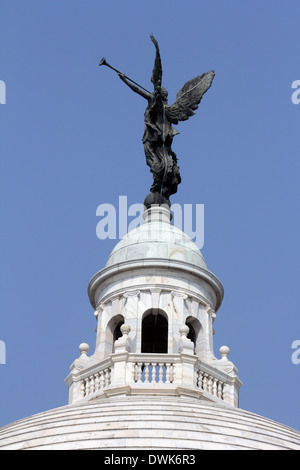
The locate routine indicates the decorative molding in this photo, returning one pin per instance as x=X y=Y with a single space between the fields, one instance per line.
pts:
x=131 y=293
x=161 y=266
x=142 y=288
x=177 y=293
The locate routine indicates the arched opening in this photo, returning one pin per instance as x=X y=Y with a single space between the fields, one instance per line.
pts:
x=113 y=332
x=191 y=334
x=154 y=332
x=117 y=331
x=195 y=328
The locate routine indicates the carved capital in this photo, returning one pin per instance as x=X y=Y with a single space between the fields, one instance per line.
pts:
x=133 y=293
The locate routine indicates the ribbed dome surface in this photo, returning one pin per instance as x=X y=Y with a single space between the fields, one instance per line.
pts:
x=147 y=423
x=157 y=240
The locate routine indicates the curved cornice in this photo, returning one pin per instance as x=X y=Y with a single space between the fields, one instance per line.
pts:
x=102 y=275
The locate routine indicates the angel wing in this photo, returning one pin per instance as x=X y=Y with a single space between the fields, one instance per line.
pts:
x=189 y=97
x=157 y=69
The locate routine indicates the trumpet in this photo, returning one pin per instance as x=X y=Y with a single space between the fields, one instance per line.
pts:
x=104 y=62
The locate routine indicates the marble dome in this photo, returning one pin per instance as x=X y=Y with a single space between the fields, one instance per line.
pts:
x=148 y=423
x=157 y=238
x=129 y=396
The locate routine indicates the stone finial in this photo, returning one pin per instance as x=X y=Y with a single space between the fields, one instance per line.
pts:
x=123 y=343
x=186 y=346
x=125 y=329
x=83 y=359
x=224 y=351
x=184 y=330
x=84 y=348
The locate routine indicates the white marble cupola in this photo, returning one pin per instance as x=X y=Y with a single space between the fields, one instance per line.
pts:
x=155 y=303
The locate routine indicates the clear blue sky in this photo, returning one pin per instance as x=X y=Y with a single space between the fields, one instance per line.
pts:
x=71 y=140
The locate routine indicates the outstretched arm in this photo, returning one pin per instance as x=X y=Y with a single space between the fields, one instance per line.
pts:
x=134 y=87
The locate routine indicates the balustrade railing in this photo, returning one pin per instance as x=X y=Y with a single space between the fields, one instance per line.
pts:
x=136 y=371
x=210 y=384
x=150 y=372
x=95 y=382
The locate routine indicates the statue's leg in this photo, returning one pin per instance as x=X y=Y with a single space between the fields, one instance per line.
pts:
x=155 y=161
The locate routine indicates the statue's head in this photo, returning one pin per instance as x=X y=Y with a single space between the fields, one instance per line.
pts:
x=162 y=92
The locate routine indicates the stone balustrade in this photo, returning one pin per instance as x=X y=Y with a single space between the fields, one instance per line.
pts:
x=210 y=384
x=154 y=371
x=164 y=374
x=95 y=382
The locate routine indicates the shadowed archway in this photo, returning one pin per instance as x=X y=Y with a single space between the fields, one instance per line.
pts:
x=154 y=332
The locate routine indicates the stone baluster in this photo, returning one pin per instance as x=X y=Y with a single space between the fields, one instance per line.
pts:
x=107 y=378
x=82 y=389
x=101 y=381
x=214 y=386
x=146 y=375
x=92 y=384
x=209 y=384
x=161 y=372
x=168 y=372
x=205 y=382
x=134 y=372
x=200 y=379
x=172 y=372
x=97 y=381
x=87 y=386
x=139 y=370
x=220 y=390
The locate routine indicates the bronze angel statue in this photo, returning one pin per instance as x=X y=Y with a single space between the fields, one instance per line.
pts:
x=159 y=132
